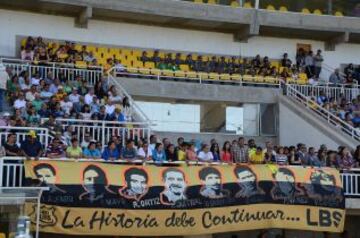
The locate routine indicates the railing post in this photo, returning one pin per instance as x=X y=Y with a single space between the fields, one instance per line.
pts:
x=103 y=133
x=158 y=75
x=200 y=78
x=46 y=138
x=1 y=171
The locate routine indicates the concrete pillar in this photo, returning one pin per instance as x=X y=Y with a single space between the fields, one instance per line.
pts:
x=212 y=117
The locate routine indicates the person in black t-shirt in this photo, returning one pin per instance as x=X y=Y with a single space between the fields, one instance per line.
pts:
x=11 y=148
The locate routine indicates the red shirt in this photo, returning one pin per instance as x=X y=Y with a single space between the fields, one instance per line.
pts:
x=226 y=156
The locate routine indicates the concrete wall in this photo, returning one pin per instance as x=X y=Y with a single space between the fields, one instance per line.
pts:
x=15 y=23
x=198 y=92
x=296 y=125
x=220 y=137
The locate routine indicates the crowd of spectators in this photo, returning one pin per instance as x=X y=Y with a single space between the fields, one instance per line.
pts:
x=65 y=144
x=36 y=97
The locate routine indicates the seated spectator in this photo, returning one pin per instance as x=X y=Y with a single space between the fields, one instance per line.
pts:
x=52 y=124
x=257 y=157
x=280 y=157
x=226 y=152
x=345 y=159
x=311 y=159
x=144 y=58
x=31 y=147
x=158 y=154
x=110 y=152
x=74 y=151
x=91 y=151
x=321 y=99
x=144 y=151
x=181 y=152
x=27 y=54
x=129 y=152
x=55 y=149
x=286 y=62
x=87 y=140
x=205 y=155
x=215 y=150
x=156 y=58
x=191 y=153
x=170 y=153
x=20 y=102
x=10 y=146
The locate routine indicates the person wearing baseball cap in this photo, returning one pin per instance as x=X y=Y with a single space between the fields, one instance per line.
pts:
x=31 y=147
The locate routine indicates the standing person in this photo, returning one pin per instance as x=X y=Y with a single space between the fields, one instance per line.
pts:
x=318 y=59
x=4 y=77
x=226 y=153
x=239 y=151
x=258 y=156
x=280 y=157
x=170 y=153
x=215 y=150
x=309 y=65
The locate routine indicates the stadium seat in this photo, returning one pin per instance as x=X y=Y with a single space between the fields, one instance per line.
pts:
x=270 y=8
x=303 y=76
x=339 y=14
x=155 y=71
x=149 y=65
x=214 y=76
x=212 y=2
x=235 y=4
x=136 y=53
x=138 y=64
x=235 y=77
x=248 y=78
x=23 y=42
x=224 y=76
x=283 y=9
x=184 y=67
x=305 y=11
x=2 y=235
x=81 y=64
x=168 y=73
x=180 y=74
x=198 y=1
x=271 y=80
x=191 y=75
x=144 y=71
x=132 y=70
x=248 y=5
x=317 y=12
x=258 y=79
x=275 y=64
x=203 y=76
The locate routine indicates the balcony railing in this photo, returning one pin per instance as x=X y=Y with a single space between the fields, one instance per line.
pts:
x=12 y=170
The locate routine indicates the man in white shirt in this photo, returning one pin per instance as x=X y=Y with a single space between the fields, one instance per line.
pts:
x=74 y=97
x=20 y=103
x=66 y=105
x=115 y=98
x=30 y=95
x=4 y=77
x=89 y=97
x=109 y=107
x=205 y=154
x=45 y=94
x=35 y=80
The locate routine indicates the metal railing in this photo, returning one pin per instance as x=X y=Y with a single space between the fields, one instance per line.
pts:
x=92 y=74
x=21 y=133
x=12 y=171
x=139 y=114
x=196 y=77
x=332 y=119
x=349 y=92
x=102 y=131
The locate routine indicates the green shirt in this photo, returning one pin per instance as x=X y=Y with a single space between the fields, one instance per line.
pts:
x=37 y=104
x=74 y=152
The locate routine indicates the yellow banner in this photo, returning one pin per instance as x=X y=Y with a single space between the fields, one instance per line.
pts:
x=96 y=198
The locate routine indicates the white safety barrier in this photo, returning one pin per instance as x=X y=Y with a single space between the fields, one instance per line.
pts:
x=92 y=74
x=21 y=133
x=12 y=170
x=332 y=119
x=102 y=131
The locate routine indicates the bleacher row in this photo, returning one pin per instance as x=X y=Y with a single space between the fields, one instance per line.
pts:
x=131 y=61
x=269 y=7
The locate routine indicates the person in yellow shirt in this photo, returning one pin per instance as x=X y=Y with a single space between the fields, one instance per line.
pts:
x=182 y=152
x=257 y=157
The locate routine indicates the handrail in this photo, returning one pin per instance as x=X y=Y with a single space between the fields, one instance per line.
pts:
x=43 y=132
x=96 y=121
x=326 y=114
x=131 y=100
x=50 y=63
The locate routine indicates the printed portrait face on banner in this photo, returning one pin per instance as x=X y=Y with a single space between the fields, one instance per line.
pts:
x=45 y=173
x=94 y=183
x=136 y=183
x=212 y=184
x=323 y=185
x=284 y=185
x=247 y=181
x=175 y=186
